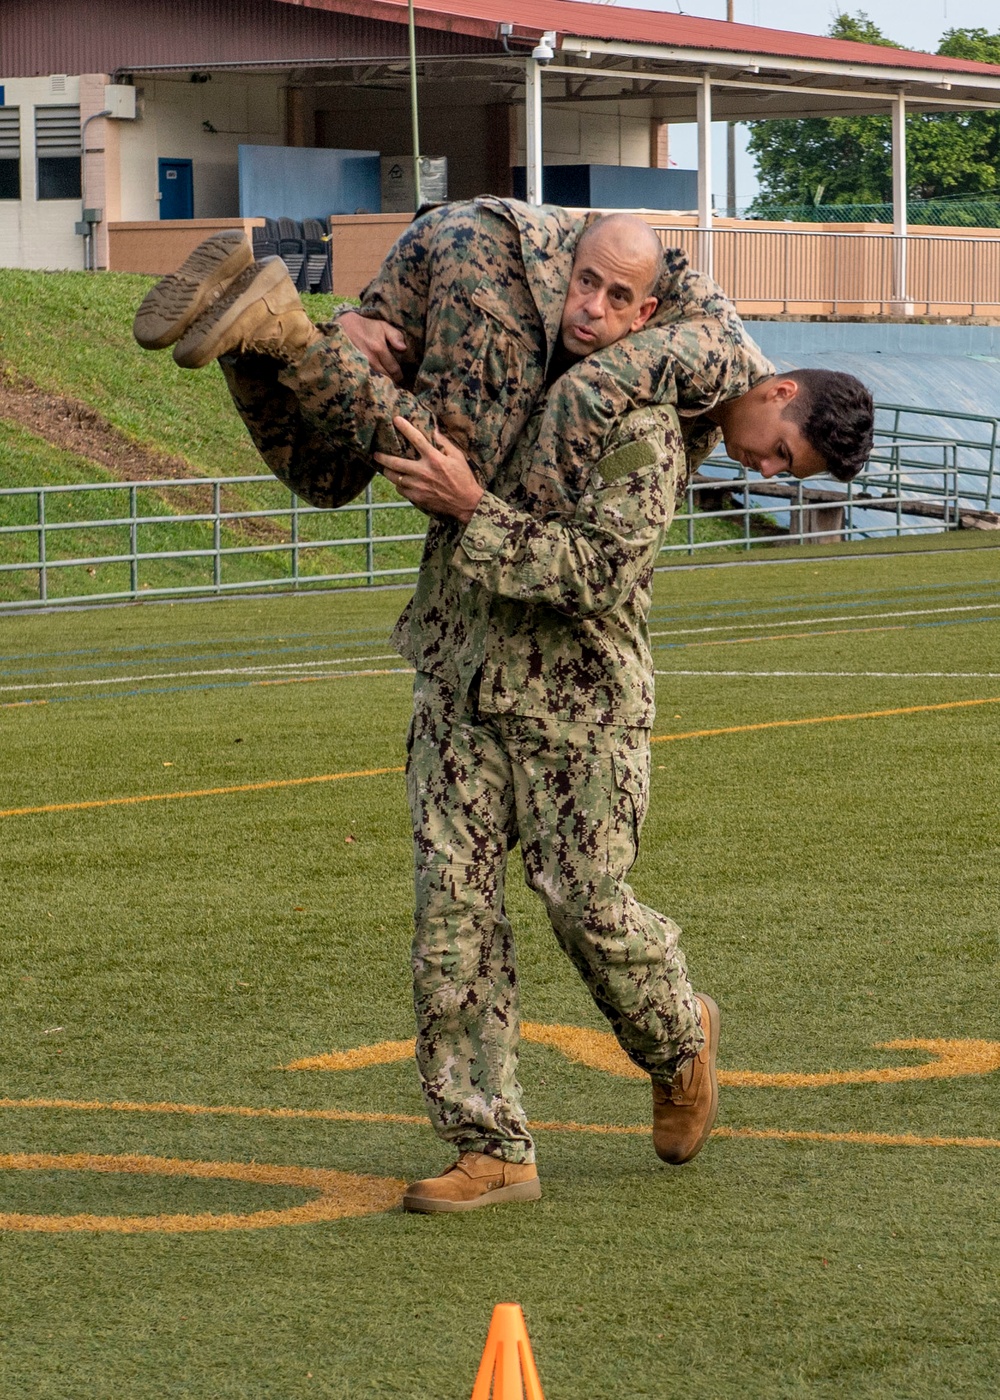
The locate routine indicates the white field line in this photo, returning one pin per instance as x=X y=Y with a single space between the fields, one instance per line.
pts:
x=846 y=675
x=815 y=621
x=286 y=667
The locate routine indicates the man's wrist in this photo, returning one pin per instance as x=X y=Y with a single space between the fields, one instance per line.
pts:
x=470 y=506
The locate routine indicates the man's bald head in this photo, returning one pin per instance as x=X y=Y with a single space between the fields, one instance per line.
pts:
x=617 y=265
x=632 y=238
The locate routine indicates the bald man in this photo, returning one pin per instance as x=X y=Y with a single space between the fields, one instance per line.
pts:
x=515 y=345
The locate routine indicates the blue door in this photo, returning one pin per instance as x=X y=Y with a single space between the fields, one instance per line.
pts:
x=176 y=190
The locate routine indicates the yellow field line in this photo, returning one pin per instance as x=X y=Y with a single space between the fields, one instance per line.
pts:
x=329 y=1115
x=198 y=792
x=340 y=1115
x=816 y=719
x=275 y=783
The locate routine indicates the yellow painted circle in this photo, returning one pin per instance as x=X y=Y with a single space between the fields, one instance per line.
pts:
x=338 y=1194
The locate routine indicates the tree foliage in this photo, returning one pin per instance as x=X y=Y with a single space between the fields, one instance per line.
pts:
x=848 y=160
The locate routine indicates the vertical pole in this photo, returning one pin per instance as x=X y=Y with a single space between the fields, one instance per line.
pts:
x=295 y=539
x=731 y=169
x=217 y=534
x=730 y=145
x=370 y=535
x=43 y=577
x=899 y=223
x=533 y=130
x=133 y=540
x=417 y=199
x=705 y=172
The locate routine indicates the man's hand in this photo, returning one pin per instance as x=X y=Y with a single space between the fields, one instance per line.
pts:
x=439 y=481
x=376 y=340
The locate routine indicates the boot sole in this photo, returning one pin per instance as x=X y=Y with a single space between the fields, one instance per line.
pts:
x=517 y=1191
x=177 y=300
x=206 y=338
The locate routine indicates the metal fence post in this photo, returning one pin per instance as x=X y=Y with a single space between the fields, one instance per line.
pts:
x=133 y=540
x=370 y=536
x=217 y=535
x=43 y=581
x=295 y=538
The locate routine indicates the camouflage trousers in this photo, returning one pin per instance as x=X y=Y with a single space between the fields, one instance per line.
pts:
x=575 y=796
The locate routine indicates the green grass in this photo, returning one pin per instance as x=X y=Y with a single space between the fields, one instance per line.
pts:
x=837 y=887
x=71 y=333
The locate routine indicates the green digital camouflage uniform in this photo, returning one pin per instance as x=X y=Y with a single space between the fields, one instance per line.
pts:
x=527 y=629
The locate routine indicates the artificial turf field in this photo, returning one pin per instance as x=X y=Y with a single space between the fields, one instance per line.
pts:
x=165 y=961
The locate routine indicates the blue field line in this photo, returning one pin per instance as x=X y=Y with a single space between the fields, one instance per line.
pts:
x=807 y=598
x=248 y=651
x=192 y=642
x=213 y=685
x=797 y=636
x=869 y=599
x=185 y=660
x=28 y=703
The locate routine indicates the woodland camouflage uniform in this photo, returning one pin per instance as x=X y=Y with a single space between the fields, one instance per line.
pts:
x=527 y=628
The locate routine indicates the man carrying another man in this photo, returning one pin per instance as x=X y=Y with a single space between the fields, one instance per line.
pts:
x=565 y=379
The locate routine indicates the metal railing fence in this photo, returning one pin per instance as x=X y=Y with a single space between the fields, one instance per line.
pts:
x=113 y=542
x=824 y=272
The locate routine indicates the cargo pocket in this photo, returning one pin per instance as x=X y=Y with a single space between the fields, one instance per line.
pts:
x=629 y=804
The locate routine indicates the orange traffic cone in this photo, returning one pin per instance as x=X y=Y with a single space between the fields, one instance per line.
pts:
x=507 y=1370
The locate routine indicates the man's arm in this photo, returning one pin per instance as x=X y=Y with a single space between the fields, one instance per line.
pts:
x=394 y=304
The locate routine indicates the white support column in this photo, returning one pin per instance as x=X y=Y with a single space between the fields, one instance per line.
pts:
x=900 y=301
x=705 y=173
x=533 y=130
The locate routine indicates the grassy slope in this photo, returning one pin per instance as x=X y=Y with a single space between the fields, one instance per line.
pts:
x=71 y=333
x=837 y=888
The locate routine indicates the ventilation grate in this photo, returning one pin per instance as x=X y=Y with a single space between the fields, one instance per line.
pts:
x=10 y=133
x=57 y=131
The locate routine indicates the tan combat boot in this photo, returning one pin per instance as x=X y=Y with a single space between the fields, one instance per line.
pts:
x=175 y=301
x=684 y=1110
x=260 y=312
x=474 y=1180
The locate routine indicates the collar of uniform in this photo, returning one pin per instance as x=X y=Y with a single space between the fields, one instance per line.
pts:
x=549 y=236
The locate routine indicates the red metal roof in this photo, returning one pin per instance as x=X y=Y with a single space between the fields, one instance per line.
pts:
x=481 y=19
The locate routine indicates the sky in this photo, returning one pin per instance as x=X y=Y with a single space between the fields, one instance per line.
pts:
x=916 y=24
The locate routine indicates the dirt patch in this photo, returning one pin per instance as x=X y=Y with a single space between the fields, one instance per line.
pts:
x=75 y=427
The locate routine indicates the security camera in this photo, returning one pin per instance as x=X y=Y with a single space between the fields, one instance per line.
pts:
x=545 y=51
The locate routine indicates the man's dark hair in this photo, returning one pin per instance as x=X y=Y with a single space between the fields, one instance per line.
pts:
x=836 y=416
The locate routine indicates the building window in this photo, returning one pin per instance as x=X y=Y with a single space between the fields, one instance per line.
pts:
x=10 y=153
x=58 y=149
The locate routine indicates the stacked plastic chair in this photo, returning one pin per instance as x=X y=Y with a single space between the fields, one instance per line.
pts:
x=292 y=248
x=265 y=240
x=318 y=272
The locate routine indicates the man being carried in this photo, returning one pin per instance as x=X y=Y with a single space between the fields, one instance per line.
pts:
x=534 y=690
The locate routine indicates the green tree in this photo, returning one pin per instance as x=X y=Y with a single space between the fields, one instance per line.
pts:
x=848 y=160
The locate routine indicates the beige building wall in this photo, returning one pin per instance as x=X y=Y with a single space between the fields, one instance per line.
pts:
x=595 y=133
x=34 y=233
x=201 y=122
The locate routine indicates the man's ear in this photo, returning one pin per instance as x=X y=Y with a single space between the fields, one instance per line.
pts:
x=783 y=390
x=645 y=311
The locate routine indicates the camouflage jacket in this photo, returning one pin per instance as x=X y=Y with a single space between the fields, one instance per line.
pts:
x=554 y=609
x=540 y=585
